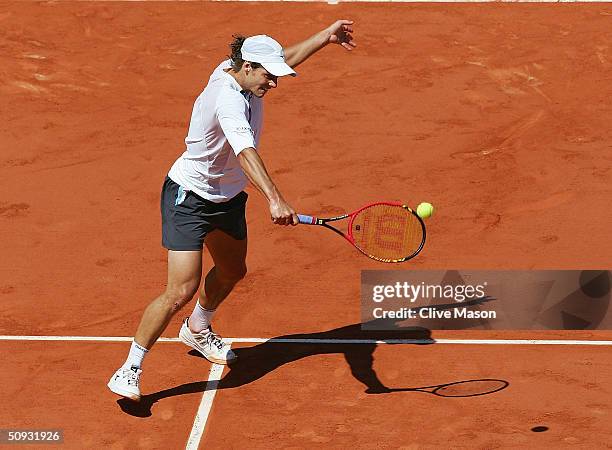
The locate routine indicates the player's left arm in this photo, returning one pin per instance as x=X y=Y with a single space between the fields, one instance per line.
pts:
x=339 y=32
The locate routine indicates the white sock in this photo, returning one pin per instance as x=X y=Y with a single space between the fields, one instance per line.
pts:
x=200 y=318
x=136 y=355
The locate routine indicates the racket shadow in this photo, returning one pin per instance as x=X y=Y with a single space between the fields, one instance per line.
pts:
x=457 y=389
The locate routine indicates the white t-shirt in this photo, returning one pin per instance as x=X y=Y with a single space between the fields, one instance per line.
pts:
x=224 y=122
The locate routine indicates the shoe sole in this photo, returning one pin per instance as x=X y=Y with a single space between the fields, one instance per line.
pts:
x=122 y=393
x=187 y=341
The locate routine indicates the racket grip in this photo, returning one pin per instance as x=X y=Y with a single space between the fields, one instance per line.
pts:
x=308 y=220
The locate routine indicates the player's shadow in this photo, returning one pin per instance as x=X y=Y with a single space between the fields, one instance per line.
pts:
x=257 y=361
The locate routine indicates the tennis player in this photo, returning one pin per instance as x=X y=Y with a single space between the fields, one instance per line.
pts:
x=202 y=199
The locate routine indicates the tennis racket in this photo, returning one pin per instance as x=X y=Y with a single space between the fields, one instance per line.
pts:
x=387 y=232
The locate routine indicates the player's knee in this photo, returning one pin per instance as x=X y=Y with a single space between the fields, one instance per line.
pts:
x=177 y=306
x=179 y=296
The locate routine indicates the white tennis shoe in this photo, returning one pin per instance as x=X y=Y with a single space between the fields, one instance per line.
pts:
x=208 y=343
x=126 y=382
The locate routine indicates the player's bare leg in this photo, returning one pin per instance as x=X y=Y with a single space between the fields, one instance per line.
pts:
x=184 y=275
x=229 y=256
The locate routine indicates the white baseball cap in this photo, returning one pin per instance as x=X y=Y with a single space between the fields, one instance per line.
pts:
x=266 y=51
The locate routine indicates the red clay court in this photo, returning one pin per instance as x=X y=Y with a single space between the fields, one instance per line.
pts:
x=497 y=113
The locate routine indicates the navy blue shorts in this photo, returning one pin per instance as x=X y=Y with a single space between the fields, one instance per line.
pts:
x=187 y=218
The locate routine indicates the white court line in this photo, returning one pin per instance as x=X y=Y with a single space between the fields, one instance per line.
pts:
x=425 y=341
x=199 y=423
x=325 y=341
x=80 y=338
x=335 y=2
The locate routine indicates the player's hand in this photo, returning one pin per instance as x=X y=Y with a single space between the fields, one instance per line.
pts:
x=340 y=33
x=282 y=213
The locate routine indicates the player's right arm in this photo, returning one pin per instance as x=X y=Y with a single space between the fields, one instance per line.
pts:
x=255 y=170
x=231 y=113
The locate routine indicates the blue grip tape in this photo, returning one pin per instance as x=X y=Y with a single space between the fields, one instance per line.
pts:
x=308 y=220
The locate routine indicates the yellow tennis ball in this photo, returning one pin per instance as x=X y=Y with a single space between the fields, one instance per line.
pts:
x=425 y=210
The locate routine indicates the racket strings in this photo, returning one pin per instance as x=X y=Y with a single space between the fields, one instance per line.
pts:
x=388 y=232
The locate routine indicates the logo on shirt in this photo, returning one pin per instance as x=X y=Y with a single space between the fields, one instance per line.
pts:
x=245 y=130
